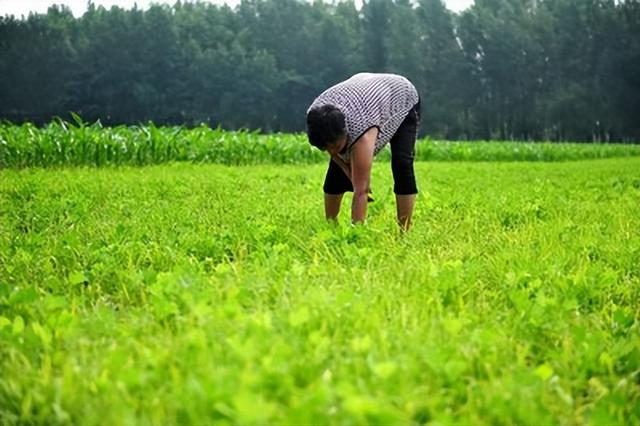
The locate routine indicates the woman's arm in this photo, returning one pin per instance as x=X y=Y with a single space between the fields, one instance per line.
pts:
x=361 y=162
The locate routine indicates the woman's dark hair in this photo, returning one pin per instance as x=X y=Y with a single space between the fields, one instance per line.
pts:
x=325 y=125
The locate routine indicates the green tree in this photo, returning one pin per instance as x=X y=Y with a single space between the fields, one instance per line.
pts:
x=627 y=70
x=377 y=26
x=497 y=40
x=444 y=75
x=36 y=61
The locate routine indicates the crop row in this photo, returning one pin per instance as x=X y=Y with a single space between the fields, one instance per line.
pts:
x=65 y=144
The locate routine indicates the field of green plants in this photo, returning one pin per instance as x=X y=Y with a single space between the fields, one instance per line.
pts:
x=196 y=293
x=80 y=144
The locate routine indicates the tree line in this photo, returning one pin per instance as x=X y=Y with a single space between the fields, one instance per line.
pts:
x=502 y=69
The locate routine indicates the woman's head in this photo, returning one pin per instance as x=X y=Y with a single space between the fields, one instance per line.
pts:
x=325 y=126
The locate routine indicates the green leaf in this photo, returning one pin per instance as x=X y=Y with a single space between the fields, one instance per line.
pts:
x=23 y=296
x=622 y=319
x=299 y=317
x=606 y=361
x=52 y=303
x=455 y=368
x=251 y=408
x=77 y=277
x=453 y=325
x=77 y=119
x=43 y=333
x=361 y=344
x=18 y=325
x=4 y=322
x=164 y=307
x=384 y=370
x=544 y=371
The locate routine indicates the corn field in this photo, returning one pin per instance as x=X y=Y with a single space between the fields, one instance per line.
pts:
x=62 y=143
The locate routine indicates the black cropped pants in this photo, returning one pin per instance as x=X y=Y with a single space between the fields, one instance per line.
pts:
x=403 y=145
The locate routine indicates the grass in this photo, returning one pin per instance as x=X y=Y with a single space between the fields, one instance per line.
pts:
x=194 y=294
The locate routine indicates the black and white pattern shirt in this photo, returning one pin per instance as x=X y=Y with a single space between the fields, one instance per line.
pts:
x=370 y=100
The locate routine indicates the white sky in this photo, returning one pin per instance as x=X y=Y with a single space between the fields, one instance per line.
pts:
x=78 y=7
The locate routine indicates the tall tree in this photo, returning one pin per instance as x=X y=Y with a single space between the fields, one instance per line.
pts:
x=444 y=75
x=506 y=59
x=36 y=61
x=627 y=70
x=376 y=23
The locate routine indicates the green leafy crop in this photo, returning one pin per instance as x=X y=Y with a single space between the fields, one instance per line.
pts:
x=200 y=294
